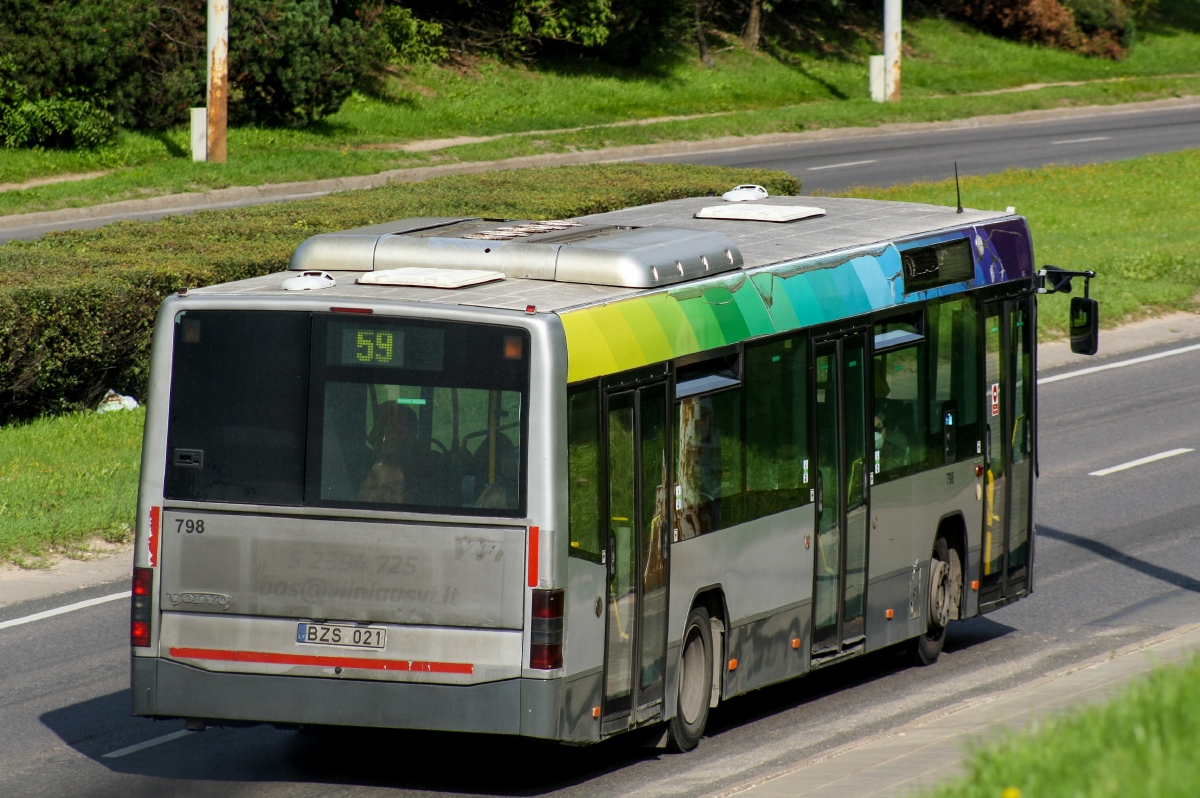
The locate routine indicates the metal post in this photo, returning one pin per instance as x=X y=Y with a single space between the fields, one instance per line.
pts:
x=199 y=130
x=891 y=50
x=218 y=78
x=877 y=72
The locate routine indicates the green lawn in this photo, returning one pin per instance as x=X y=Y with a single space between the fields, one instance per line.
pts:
x=66 y=479
x=1140 y=745
x=755 y=93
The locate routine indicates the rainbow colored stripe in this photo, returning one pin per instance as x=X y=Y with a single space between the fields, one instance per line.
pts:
x=652 y=328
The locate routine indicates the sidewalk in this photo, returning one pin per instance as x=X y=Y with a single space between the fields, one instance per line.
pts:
x=1121 y=340
x=19 y=584
x=934 y=748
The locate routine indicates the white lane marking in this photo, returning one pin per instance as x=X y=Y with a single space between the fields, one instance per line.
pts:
x=1120 y=364
x=1081 y=141
x=840 y=165
x=79 y=605
x=1103 y=472
x=133 y=749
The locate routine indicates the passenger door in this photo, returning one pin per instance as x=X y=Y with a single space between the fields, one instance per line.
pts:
x=841 y=493
x=636 y=555
x=1008 y=448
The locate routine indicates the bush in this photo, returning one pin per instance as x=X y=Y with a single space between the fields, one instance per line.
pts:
x=1093 y=27
x=410 y=40
x=77 y=308
x=59 y=122
x=55 y=123
x=291 y=61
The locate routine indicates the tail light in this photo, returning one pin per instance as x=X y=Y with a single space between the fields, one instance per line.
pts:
x=546 y=644
x=139 y=614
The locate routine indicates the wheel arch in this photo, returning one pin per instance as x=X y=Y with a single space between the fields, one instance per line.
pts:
x=712 y=599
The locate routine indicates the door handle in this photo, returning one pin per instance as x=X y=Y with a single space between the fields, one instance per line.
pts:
x=820 y=493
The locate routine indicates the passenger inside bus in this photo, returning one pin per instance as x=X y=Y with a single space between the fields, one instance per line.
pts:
x=392 y=441
x=891 y=444
x=494 y=465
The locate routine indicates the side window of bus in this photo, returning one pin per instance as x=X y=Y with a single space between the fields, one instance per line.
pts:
x=743 y=452
x=777 y=476
x=583 y=472
x=901 y=423
x=954 y=375
x=708 y=464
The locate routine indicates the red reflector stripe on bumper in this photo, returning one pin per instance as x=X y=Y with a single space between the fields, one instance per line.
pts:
x=269 y=658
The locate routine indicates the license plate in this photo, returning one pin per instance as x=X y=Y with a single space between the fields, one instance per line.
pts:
x=328 y=634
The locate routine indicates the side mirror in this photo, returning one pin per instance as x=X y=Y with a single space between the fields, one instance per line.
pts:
x=1085 y=325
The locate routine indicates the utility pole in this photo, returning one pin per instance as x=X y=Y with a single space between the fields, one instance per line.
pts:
x=218 y=79
x=891 y=50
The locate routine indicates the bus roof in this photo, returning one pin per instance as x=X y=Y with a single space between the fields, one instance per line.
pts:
x=845 y=226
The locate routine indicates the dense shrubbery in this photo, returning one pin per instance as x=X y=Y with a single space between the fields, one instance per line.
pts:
x=143 y=63
x=293 y=62
x=1094 y=27
x=54 y=122
x=76 y=309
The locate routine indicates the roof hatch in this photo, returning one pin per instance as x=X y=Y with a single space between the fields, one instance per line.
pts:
x=564 y=251
x=759 y=212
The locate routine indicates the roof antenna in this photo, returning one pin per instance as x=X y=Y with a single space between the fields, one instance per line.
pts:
x=957 y=187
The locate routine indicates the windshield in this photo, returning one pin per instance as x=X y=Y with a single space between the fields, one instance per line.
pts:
x=373 y=412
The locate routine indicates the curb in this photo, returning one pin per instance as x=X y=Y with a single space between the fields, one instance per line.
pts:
x=1147 y=645
x=272 y=192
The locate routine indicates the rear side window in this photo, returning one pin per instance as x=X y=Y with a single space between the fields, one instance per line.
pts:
x=239 y=407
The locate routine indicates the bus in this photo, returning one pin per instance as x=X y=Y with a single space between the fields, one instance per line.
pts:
x=568 y=478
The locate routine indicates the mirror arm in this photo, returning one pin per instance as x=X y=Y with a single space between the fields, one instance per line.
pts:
x=1057 y=283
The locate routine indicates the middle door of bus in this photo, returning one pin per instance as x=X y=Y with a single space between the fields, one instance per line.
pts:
x=636 y=624
x=1007 y=448
x=841 y=495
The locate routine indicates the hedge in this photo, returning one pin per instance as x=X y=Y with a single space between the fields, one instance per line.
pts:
x=77 y=308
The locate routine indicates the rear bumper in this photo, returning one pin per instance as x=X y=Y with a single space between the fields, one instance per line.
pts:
x=162 y=688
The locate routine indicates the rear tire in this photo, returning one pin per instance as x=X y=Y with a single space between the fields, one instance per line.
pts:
x=926 y=648
x=695 y=683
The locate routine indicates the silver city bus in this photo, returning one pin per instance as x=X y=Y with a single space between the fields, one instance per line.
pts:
x=564 y=479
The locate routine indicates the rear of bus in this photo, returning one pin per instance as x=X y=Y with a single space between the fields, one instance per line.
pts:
x=346 y=516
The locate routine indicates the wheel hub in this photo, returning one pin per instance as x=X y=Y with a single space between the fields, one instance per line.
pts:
x=939 y=593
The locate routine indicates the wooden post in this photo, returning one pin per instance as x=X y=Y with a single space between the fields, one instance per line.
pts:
x=218 y=78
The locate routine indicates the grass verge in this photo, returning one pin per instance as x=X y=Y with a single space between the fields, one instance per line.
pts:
x=1143 y=743
x=66 y=480
x=1135 y=222
x=763 y=92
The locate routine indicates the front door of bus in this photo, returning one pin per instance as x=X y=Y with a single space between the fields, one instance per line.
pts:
x=841 y=495
x=636 y=556
x=1007 y=448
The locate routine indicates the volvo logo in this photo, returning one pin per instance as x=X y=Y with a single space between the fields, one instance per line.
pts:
x=208 y=599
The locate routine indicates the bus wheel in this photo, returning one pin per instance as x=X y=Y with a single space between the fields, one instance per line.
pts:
x=695 y=683
x=927 y=647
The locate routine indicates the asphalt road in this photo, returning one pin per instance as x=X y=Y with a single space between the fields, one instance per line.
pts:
x=885 y=160
x=1117 y=561
x=875 y=159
